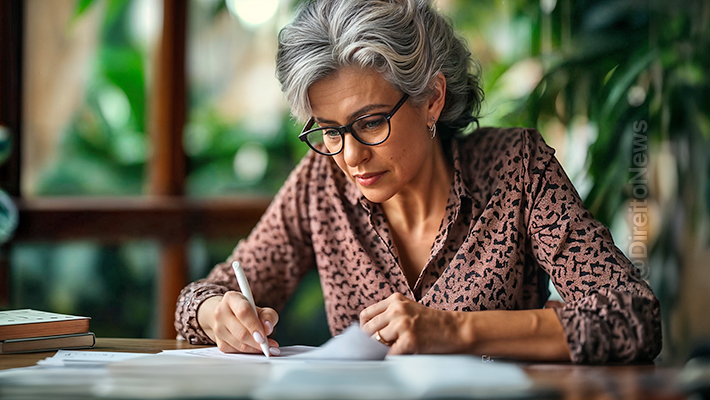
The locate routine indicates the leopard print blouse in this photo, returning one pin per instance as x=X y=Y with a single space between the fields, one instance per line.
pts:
x=513 y=221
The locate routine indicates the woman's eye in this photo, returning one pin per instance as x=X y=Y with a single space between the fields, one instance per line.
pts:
x=371 y=123
x=331 y=134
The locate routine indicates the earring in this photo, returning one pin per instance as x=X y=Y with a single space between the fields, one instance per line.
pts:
x=432 y=128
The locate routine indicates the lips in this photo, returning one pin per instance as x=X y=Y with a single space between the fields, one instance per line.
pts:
x=368 y=178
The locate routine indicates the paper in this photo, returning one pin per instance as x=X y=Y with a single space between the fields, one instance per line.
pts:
x=173 y=375
x=352 y=345
x=216 y=353
x=49 y=383
x=458 y=376
x=348 y=366
x=401 y=377
x=87 y=359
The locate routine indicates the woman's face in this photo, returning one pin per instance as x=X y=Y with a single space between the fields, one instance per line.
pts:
x=390 y=168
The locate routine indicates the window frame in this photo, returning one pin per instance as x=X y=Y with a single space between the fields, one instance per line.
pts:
x=165 y=214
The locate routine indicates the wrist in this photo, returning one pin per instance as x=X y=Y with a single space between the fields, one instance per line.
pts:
x=467 y=330
x=206 y=314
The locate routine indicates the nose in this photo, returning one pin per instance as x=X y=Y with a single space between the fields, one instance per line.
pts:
x=354 y=152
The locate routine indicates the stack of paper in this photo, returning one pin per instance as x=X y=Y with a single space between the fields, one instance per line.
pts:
x=350 y=366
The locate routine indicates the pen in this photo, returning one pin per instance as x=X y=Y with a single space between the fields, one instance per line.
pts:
x=246 y=291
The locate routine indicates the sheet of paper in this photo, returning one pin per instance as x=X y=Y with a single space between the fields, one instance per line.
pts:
x=401 y=377
x=214 y=352
x=88 y=359
x=166 y=376
x=173 y=376
x=352 y=345
x=458 y=376
x=49 y=383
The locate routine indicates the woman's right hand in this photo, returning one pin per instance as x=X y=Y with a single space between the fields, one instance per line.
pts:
x=230 y=322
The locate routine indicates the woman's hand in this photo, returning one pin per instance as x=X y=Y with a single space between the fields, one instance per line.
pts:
x=230 y=322
x=413 y=328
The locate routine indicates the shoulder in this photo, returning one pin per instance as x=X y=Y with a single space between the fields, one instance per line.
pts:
x=487 y=151
x=316 y=179
x=311 y=169
x=499 y=141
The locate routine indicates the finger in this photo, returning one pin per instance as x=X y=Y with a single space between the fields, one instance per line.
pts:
x=379 y=315
x=269 y=317
x=274 y=348
x=244 y=312
x=387 y=336
x=240 y=338
x=231 y=345
x=231 y=336
x=224 y=346
x=374 y=310
x=227 y=337
x=402 y=345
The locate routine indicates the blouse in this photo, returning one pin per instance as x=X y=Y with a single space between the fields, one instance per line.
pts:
x=513 y=221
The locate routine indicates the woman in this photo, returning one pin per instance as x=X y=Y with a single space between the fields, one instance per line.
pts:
x=434 y=241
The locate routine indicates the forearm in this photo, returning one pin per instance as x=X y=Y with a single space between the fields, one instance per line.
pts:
x=535 y=335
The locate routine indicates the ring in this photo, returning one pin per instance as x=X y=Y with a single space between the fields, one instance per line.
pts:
x=383 y=341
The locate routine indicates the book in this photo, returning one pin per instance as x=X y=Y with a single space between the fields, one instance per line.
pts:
x=48 y=343
x=26 y=323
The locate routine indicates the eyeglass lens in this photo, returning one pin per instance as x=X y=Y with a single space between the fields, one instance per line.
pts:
x=370 y=129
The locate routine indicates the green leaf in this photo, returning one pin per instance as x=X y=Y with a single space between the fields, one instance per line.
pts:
x=80 y=9
x=124 y=67
x=624 y=82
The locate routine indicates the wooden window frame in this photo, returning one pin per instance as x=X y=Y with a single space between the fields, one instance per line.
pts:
x=165 y=214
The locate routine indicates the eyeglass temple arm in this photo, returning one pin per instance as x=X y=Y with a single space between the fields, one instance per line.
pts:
x=306 y=127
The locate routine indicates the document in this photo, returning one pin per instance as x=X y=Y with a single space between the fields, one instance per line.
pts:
x=349 y=366
x=86 y=359
x=216 y=353
x=352 y=345
x=401 y=377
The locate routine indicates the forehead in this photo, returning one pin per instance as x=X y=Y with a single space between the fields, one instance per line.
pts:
x=347 y=90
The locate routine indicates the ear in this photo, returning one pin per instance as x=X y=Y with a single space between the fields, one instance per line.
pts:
x=438 y=97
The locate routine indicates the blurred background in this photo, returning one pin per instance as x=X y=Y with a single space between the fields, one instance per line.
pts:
x=141 y=139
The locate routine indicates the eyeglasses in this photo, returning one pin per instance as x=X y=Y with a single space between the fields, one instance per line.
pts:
x=370 y=130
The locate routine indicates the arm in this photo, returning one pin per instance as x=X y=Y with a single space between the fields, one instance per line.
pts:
x=611 y=314
x=275 y=257
x=535 y=335
x=414 y=328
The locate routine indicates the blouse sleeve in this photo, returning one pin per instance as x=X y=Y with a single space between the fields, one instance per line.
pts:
x=275 y=256
x=611 y=314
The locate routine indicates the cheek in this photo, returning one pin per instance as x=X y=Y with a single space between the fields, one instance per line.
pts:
x=341 y=164
x=409 y=148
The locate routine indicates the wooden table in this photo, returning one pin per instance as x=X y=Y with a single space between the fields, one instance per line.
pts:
x=572 y=381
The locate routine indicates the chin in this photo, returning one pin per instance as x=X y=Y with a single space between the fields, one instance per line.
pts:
x=376 y=195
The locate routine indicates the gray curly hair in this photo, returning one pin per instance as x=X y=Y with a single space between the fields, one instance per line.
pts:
x=407 y=41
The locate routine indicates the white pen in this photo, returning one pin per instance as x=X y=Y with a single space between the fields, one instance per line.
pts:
x=246 y=291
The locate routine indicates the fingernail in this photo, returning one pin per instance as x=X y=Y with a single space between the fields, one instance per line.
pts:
x=274 y=351
x=268 y=325
x=258 y=338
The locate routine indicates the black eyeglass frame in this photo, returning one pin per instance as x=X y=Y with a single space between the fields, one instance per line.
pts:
x=343 y=129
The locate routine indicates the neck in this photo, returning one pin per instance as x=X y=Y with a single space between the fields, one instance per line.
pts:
x=423 y=201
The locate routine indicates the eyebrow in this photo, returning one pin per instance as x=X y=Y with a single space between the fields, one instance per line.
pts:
x=351 y=117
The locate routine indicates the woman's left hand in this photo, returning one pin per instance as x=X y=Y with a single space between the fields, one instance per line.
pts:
x=410 y=328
